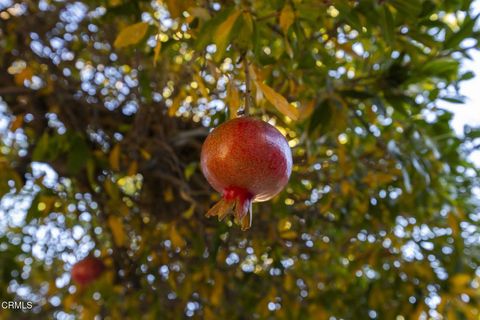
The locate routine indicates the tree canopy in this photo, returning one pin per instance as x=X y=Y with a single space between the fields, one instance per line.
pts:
x=105 y=105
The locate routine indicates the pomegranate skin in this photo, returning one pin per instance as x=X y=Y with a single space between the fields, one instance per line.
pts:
x=87 y=270
x=247 y=154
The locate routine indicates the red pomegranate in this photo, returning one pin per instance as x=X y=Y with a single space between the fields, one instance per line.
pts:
x=87 y=270
x=246 y=160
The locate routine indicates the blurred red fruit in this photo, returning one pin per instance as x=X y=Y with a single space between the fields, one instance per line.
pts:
x=87 y=270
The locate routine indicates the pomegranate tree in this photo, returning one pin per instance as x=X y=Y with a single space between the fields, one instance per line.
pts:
x=87 y=270
x=246 y=160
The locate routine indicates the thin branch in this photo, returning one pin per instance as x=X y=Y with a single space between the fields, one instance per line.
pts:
x=14 y=90
x=248 y=90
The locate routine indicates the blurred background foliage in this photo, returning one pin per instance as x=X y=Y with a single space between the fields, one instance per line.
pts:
x=104 y=107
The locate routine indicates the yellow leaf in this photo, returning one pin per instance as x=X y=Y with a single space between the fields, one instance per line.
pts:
x=209 y=314
x=222 y=34
x=25 y=74
x=345 y=187
x=90 y=310
x=284 y=225
x=453 y=223
x=418 y=312
x=288 y=235
x=114 y=158
x=288 y=48
x=118 y=232
x=233 y=99
x=287 y=16
x=288 y=282
x=156 y=51
x=69 y=301
x=217 y=292
x=190 y=170
x=114 y=3
x=201 y=85
x=145 y=154
x=133 y=168
x=189 y=212
x=200 y=12
x=174 y=107
x=176 y=238
x=168 y=195
x=131 y=35
x=278 y=101
x=306 y=110
x=176 y=8
x=460 y=280
x=17 y=123
x=451 y=314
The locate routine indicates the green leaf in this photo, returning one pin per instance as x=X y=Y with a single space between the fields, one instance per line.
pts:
x=244 y=28
x=321 y=116
x=467 y=75
x=388 y=24
x=190 y=170
x=353 y=93
x=207 y=29
x=457 y=99
x=350 y=15
x=33 y=212
x=78 y=155
x=442 y=67
x=407 y=8
x=41 y=151
x=453 y=40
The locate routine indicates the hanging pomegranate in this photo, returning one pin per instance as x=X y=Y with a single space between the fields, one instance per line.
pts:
x=246 y=160
x=87 y=270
